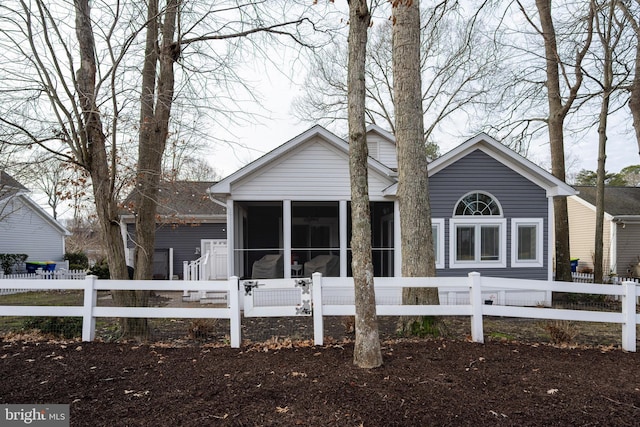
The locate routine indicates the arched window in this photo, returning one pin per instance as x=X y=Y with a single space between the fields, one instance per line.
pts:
x=478 y=232
x=478 y=203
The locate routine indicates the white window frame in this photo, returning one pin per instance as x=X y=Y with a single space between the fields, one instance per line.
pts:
x=539 y=260
x=477 y=222
x=438 y=224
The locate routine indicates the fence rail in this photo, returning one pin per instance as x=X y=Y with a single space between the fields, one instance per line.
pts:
x=334 y=296
x=89 y=311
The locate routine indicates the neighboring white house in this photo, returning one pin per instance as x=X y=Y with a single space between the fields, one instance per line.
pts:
x=26 y=228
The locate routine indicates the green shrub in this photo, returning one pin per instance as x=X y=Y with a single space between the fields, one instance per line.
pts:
x=7 y=261
x=65 y=327
x=101 y=270
x=77 y=260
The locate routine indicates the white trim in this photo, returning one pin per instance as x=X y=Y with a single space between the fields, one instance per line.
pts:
x=539 y=224
x=613 y=247
x=477 y=222
x=438 y=223
x=286 y=237
x=551 y=239
x=344 y=244
x=397 y=240
x=231 y=224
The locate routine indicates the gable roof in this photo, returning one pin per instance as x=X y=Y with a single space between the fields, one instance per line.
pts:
x=224 y=186
x=181 y=199
x=9 y=186
x=504 y=155
x=618 y=201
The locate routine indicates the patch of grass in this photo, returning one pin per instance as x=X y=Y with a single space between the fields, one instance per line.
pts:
x=502 y=336
x=62 y=298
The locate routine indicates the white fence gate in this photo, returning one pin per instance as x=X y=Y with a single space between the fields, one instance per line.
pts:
x=276 y=297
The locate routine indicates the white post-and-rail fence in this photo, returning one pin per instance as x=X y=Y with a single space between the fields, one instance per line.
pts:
x=89 y=311
x=334 y=296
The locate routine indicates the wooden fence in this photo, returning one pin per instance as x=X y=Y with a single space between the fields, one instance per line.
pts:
x=334 y=296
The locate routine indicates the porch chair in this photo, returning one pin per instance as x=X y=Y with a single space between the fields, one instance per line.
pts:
x=268 y=267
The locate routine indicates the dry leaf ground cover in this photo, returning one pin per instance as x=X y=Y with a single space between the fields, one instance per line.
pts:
x=280 y=382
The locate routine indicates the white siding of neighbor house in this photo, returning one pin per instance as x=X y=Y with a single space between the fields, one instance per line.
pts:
x=25 y=231
x=382 y=150
x=582 y=230
x=315 y=170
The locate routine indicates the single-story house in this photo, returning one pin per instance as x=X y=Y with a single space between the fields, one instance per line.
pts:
x=191 y=223
x=25 y=227
x=288 y=212
x=621 y=229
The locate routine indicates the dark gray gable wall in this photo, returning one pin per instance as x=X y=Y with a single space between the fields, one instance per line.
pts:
x=519 y=198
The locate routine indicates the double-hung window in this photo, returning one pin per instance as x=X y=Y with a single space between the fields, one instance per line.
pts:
x=526 y=242
x=478 y=233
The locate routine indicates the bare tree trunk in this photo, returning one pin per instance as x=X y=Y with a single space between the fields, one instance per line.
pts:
x=155 y=111
x=367 y=353
x=608 y=41
x=418 y=258
x=555 y=122
x=92 y=136
x=634 y=89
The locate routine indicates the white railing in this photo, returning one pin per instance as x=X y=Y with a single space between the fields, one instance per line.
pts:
x=334 y=296
x=196 y=270
x=89 y=311
x=41 y=275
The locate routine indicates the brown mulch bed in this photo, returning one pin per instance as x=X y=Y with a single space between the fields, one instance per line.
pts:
x=280 y=382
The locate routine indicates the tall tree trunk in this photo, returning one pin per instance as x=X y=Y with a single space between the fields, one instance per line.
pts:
x=418 y=258
x=367 y=353
x=634 y=89
x=605 y=32
x=95 y=157
x=155 y=112
x=555 y=122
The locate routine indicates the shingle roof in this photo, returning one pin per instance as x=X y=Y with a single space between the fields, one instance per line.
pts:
x=181 y=199
x=617 y=200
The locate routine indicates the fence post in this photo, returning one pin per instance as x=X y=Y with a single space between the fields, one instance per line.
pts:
x=234 y=305
x=90 y=301
x=475 y=296
x=316 y=298
x=629 y=316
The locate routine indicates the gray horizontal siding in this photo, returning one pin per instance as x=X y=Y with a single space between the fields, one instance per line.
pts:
x=518 y=197
x=184 y=239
